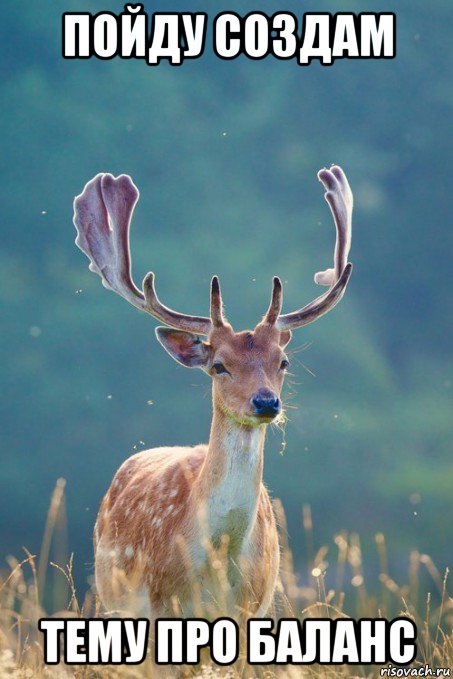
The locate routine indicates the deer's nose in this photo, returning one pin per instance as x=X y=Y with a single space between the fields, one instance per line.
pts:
x=266 y=403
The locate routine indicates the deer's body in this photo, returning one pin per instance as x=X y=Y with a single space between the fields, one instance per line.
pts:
x=191 y=531
x=158 y=538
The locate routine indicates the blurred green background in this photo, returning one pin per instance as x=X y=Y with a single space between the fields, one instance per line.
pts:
x=225 y=155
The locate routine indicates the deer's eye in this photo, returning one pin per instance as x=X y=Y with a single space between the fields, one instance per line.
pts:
x=284 y=364
x=219 y=368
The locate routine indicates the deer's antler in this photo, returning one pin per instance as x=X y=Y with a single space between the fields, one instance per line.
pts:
x=339 y=197
x=102 y=217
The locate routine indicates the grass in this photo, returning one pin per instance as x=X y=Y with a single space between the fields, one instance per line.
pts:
x=23 y=585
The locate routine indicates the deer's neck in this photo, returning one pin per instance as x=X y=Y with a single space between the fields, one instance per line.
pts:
x=229 y=484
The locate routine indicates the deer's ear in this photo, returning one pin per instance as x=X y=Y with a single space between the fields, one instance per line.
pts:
x=185 y=347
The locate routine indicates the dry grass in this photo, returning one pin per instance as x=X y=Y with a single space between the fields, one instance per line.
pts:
x=22 y=587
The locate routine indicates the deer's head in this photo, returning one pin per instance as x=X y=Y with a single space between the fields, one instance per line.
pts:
x=247 y=368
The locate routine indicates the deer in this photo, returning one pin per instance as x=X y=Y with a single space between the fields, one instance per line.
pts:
x=171 y=511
